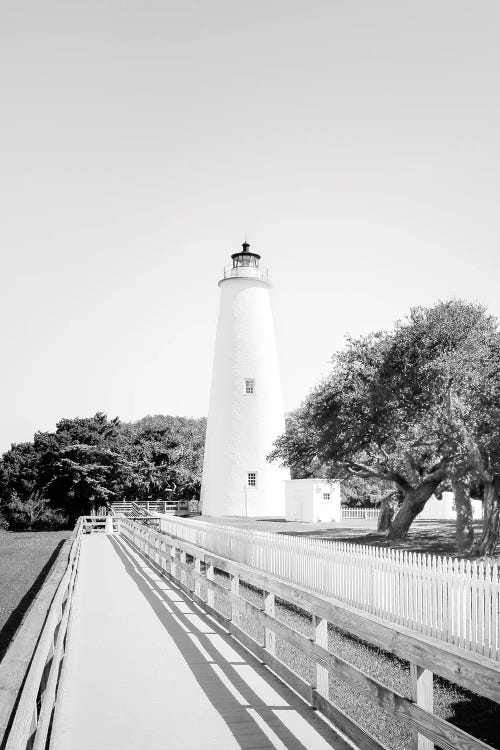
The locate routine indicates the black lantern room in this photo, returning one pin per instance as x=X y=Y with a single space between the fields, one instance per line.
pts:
x=245 y=258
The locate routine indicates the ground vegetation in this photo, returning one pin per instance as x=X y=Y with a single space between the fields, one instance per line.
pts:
x=87 y=463
x=25 y=560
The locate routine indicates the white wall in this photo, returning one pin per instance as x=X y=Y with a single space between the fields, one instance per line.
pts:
x=242 y=427
x=304 y=500
x=444 y=508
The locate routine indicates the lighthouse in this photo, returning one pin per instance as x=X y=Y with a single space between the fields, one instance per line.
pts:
x=245 y=414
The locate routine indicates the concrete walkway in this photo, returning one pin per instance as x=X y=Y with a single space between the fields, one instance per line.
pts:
x=146 y=669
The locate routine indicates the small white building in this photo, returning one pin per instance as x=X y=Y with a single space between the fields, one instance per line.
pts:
x=312 y=500
x=443 y=509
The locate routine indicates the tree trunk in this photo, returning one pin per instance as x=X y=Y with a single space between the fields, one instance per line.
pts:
x=465 y=526
x=387 y=510
x=491 y=528
x=488 y=499
x=414 y=501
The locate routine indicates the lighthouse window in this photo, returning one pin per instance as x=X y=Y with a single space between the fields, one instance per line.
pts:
x=326 y=497
x=249 y=385
x=252 y=478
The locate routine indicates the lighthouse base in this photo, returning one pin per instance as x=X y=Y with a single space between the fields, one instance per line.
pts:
x=266 y=500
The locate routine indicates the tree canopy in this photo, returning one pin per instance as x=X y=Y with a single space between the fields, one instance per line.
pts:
x=415 y=407
x=89 y=462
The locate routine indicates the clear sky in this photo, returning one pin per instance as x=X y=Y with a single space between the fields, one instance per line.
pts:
x=356 y=143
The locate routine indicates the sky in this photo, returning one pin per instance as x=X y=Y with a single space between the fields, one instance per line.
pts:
x=355 y=143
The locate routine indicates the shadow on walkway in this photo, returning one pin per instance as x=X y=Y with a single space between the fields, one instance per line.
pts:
x=259 y=710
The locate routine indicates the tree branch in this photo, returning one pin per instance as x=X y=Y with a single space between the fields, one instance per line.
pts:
x=365 y=471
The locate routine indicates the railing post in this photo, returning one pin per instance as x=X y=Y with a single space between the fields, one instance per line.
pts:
x=421 y=694
x=173 y=562
x=197 y=582
x=270 y=635
x=320 y=629
x=183 y=576
x=210 y=592
x=158 y=551
x=235 y=590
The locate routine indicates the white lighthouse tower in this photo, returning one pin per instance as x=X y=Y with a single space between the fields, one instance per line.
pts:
x=245 y=414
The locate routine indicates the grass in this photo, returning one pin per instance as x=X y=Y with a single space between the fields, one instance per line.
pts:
x=25 y=559
x=430 y=537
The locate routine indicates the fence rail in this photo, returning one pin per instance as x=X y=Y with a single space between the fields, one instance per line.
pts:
x=359 y=512
x=425 y=655
x=454 y=600
x=143 y=507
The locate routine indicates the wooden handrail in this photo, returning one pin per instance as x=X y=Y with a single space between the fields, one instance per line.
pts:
x=454 y=600
x=30 y=670
x=153 y=508
x=425 y=654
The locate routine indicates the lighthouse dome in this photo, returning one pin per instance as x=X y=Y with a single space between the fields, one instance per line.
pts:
x=246 y=264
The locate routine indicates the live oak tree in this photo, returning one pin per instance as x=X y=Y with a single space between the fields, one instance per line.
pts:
x=388 y=410
x=444 y=349
x=474 y=424
x=465 y=369
x=357 y=423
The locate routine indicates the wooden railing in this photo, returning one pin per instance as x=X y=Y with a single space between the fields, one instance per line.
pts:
x=143 y=507
x=121 y=507
x=167 y=507
x=97 y=523
x=173 y=507
x=454 y=600
x=137 y=510
x=29 y=672
x=426 y=655
x=148 y=519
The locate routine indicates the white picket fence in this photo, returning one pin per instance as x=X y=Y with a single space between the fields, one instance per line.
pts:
x=359 y=512
x=454 y=600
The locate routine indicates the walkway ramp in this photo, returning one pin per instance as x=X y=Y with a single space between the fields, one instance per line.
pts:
x=147 y=669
